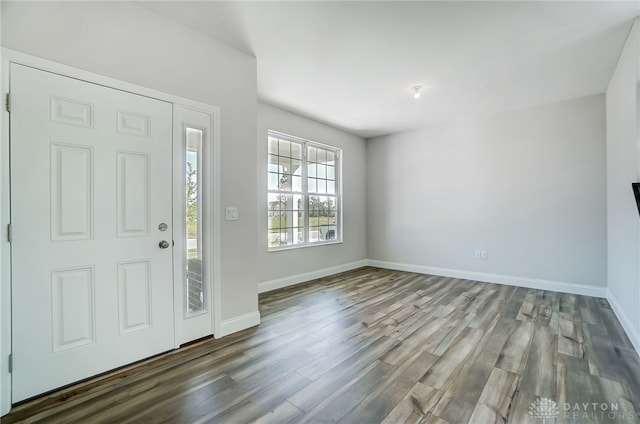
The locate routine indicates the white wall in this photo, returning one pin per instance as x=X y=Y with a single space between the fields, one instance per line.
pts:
x=125 y=41
x=526 y=186
x=282 y=268
x=623 y=168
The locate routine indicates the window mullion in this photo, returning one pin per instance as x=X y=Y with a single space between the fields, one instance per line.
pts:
x=305 y=193
x=338 y=194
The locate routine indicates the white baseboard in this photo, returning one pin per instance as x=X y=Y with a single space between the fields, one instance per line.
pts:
x=629 y=328
x=239 y=323
x=279 y=283
x=531 y=283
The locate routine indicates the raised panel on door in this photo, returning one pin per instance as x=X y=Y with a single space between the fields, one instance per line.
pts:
x=73 y=308
x=91 y=181
x=134 y=300
x=133 y=194
x=71 y=193
x=133 y=124
x=71 y=112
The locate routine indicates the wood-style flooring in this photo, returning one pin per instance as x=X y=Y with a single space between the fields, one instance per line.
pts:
x=380 y=346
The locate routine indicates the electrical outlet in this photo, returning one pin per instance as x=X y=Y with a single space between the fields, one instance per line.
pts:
x=483 y=254
x=478 y=254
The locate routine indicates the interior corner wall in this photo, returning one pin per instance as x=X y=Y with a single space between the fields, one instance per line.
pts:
x=527 y=187
x=5 y=315
x=623 y=168
x=125 y=41
x=286 y=267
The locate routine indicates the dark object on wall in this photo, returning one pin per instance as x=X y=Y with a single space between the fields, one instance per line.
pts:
x=636 y=192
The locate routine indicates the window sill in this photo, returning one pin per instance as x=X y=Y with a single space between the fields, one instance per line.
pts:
x=303 y=246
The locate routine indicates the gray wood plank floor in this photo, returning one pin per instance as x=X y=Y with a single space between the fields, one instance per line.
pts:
x=381 y=346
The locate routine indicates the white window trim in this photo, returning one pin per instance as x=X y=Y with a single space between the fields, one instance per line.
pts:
x=305 y=193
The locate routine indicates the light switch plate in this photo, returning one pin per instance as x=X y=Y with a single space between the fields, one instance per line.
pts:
x=232 y=214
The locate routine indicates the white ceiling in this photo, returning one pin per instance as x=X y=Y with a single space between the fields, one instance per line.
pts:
x=352 y=64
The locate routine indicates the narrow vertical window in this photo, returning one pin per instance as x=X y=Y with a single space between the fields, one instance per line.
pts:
x=323 y=198
x=303 y=192
x=195 y=287
x=286 y=200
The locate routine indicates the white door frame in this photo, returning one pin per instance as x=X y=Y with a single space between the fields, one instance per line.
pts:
x=9 y=56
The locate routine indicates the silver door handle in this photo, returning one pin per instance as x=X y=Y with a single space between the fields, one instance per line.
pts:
x=163 y=244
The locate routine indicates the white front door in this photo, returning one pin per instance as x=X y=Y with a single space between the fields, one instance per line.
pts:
x=91 y=203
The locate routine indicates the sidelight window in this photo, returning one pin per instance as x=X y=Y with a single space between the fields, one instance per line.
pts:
x=195 y=287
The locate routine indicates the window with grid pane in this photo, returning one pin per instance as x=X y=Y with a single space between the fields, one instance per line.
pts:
x=303 y=192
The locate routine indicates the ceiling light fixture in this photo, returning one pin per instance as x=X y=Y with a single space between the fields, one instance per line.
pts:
x=416 y=91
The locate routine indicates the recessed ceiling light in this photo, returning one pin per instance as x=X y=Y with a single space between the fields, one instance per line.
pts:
x=416 y=91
